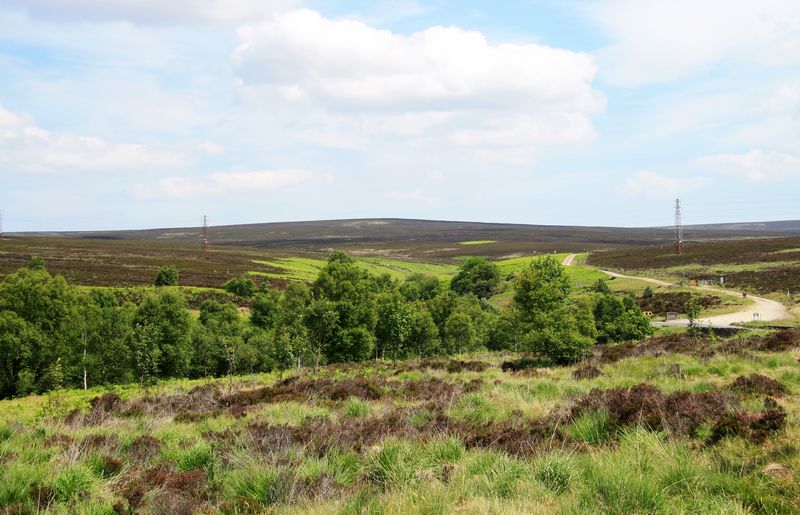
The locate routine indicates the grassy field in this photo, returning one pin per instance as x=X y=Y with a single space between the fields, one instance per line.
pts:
x=671 y=425
x=307 y=269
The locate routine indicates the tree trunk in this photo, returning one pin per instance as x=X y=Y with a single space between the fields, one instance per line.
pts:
x=85 y=381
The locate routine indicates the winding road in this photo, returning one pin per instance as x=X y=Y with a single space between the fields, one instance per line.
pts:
x=761 y=309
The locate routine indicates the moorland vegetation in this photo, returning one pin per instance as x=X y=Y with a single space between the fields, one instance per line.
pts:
x=54 y=334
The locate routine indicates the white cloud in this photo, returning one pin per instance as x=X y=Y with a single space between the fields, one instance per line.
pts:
x=223 y=183
x=155 y=11
x=28 y=148
x=443 y=83
x=654 y=41
x=753 y=166
x=350 y=62
x=649 y=184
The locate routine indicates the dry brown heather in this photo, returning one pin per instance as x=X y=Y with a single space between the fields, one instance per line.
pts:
x=673 y=424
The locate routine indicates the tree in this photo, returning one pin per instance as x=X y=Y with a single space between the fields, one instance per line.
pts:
x=693 y=312
x=241 y=287
x=218 y=344
x=322 y=320
x=167 y=276
x=547 y=319
x=393 y=326
x=146 y=353
x=504 y=333
x=420 y=287
x=459 y=334
x=165 y=318
x=476 y=276
x=264 y=309
x=20 y=355
x=110 y=326
x=51 y=305
x=601 y=287
x=541 y=288
x=618 y=321
x=350 y=290
x=647 y=293
x=423 y=335
x=559 y=345
x=354 y=344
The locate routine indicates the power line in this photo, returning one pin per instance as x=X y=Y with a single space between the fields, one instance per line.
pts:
x=205 y=233
x=678 y=227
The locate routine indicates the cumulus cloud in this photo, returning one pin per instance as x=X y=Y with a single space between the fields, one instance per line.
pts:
x=655 y=41
x=443 y=80
x=753 y=166
x=28 y=148
x=351 y=62
x=223 y=183
x=649 y=184
x=155 y=11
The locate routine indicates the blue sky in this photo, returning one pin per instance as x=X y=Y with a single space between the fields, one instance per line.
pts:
x=141 y=113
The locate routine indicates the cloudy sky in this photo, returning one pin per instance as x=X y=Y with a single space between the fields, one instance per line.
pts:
x=148 y=113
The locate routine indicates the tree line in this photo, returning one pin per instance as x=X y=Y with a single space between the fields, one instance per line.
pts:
x=54 y=334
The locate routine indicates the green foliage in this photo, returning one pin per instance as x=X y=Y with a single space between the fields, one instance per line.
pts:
x=241 y=287
x=195 y=457
x=601 y=286
x=551 y=325
x=394 y=465
x=476 y=276
x=423 y=336
x=163 y=326
x=618 y=321
x=459 y=334
x=264 y=309
x=592 y=428
x=420 y=287
x=693 y=313
x=73 y=482
x=540 y=288
x=393 y=326
x=166 y=276
x=219 y=345
x=562 y=345
x=355 y=407
x=556 y=471
x=349 y=290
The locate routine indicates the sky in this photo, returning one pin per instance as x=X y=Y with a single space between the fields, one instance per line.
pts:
x=125 y=114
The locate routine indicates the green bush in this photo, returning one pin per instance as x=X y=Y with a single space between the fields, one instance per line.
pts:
x=167 y=276
x=241 y=287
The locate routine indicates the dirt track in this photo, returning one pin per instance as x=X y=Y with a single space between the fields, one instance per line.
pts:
x=761 y=308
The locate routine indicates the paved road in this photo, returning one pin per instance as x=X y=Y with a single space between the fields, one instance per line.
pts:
x=765 y=308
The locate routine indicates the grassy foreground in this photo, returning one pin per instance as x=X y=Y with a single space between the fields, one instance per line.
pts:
x=670 y=425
